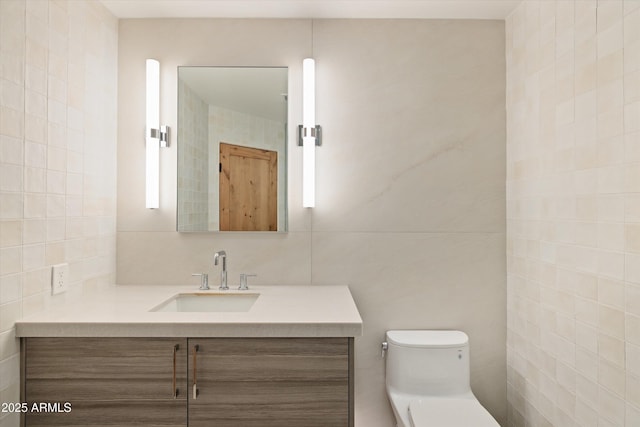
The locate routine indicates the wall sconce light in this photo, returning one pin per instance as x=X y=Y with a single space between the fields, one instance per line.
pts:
x=156 y=136
x=309 y=134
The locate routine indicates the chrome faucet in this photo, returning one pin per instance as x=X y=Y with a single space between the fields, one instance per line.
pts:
x=223 y=273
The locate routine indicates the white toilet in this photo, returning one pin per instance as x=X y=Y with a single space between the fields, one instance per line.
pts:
x=428 y=380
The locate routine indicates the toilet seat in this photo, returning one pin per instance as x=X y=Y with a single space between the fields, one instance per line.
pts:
x=449 y=412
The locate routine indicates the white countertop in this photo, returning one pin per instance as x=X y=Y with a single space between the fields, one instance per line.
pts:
x=123 y=311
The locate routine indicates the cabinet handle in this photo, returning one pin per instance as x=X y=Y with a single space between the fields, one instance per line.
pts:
x=195 y=371
x=175 y=359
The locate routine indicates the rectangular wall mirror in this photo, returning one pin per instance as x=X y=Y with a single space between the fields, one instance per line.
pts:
x=232 y=149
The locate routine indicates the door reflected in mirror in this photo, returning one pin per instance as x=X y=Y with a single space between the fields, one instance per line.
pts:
x=232 y=142
x=248 y=188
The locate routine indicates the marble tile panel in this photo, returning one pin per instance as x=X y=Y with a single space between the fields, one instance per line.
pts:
x=170 y=258
x=413 y=281
x=436 y=175
x=472 y=200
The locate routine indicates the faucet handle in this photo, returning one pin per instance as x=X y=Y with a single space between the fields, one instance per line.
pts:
x=243 y=280
x=204 y=280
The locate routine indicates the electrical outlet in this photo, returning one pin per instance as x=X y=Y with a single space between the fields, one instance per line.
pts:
x=59 y=278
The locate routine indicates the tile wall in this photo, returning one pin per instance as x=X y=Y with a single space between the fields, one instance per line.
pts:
x=410 y=207
x=58 y=80
x=573 y=213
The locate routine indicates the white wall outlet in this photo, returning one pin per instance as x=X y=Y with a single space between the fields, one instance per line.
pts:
x=59 y=278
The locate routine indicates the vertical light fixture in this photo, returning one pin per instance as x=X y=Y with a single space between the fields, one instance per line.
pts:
x=309 y=134
x=155 y=135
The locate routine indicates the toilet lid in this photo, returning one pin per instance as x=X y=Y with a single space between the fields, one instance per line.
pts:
x=449 y=412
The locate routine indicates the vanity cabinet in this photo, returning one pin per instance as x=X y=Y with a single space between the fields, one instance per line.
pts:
x=222 y=382
x=265 y=382
x=108 y=381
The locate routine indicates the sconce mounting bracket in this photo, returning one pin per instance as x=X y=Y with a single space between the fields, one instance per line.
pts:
x=316 y=133
x=162 y=134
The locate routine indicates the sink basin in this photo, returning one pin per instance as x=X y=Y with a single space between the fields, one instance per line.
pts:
x=205 y=302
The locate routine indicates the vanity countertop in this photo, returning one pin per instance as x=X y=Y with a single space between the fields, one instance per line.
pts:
x=123 y=311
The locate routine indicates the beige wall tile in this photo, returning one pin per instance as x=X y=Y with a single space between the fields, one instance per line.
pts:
x=34 y=159
x=633 y=390
x=11 y=260
x=610 y=39
x=10 y=291
x=33 y=257
x=11 y=205
x=632 y=56
x=632 y=329
x=632 y=268
x=632 y=415
x=633 y=360
x=611 y=293
x=8 y=315
x=12 y=95
x=11 y=150
x=604 y=97
x=631 y=21
x=611 y=408
x=632 y=302
x=632 y=117
x=10 y=233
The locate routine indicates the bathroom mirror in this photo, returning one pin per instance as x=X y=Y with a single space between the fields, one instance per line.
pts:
x=232 y=139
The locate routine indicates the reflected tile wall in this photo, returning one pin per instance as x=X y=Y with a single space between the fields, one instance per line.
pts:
x=58 y=65
x=192 y=182
x=572 y=160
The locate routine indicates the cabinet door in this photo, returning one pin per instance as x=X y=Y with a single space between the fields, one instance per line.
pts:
x=256 y=382
x=108 y=381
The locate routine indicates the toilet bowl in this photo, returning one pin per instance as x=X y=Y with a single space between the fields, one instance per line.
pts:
x=428 y=380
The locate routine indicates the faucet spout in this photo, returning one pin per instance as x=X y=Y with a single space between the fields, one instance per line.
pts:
x=223 y=272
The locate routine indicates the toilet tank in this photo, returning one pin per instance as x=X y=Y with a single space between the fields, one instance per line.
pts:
x=427 y=363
